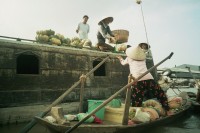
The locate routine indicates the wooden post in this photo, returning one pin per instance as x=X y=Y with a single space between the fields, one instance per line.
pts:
x=59 y=100
x=82 y=78
x=127 y=102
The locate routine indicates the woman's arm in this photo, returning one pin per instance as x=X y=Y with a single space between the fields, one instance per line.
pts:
x=122 y=61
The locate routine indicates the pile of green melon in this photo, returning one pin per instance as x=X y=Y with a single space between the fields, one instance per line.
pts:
x=49 y=37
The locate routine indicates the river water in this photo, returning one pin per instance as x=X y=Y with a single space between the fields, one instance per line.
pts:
x=190 y=123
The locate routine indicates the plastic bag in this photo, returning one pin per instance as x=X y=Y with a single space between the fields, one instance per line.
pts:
x=141 y=117
x=83 y=115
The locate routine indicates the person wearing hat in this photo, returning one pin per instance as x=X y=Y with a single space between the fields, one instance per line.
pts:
x=136 y=59
x=104 y=33
x=83 y=28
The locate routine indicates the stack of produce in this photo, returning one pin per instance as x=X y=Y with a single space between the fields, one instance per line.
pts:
x=76 y=42
x=86 y=43
x=49 y=37
x=43 y=36
x=151 y=103
x=66 y=42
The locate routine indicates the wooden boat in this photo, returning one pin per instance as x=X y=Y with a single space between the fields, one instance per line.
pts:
x=196 y=97
x=110 y=127
x=196 y=106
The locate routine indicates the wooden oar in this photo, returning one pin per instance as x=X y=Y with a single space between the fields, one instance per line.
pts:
x=116 y=94
x=59 y=100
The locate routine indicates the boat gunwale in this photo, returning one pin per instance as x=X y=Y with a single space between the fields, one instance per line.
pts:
x=116 y=125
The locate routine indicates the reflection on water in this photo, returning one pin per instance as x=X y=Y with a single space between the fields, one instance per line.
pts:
x=190 y=123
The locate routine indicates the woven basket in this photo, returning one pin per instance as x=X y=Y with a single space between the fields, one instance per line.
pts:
x=121 y=35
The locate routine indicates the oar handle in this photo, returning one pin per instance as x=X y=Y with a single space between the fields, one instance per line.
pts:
x=170 y=55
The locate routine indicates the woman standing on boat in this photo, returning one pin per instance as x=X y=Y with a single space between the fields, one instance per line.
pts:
x=136 y=60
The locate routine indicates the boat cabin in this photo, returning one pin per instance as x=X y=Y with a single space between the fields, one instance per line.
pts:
x=32 y=73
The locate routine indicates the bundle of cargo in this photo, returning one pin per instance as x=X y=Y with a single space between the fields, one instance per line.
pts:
x=116 y=114
x=121 y=36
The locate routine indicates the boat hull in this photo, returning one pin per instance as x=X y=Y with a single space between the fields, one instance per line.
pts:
x=196 y=106
x=111 y=128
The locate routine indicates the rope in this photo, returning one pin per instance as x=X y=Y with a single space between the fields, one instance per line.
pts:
x=139 y=2
x=82 y=78
x=144 y=24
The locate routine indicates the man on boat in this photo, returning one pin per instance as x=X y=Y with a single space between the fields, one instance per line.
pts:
x=83 y=28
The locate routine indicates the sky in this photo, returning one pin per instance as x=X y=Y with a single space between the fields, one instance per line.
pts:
x=171 y=25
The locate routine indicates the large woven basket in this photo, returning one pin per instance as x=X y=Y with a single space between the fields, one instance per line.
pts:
x=121 y=35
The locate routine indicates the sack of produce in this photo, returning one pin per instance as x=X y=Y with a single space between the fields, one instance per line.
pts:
x=153 y=113
x=156 y=105
x=83 y=115
x=175 y=102
x=140 y=116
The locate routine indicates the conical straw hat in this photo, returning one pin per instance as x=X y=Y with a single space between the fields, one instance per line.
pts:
x=136 y=53
x=104 y=18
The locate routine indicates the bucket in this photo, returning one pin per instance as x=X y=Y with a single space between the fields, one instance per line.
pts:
x=93 y=104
